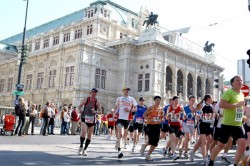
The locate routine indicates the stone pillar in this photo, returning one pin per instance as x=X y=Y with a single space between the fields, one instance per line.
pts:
x=61 y=38
x=195 y=86
x=185 y=80
x=203 y=87
x=51 y=38
x=174 y=85
x=72 y=34
x=41 y=43
x=33 y=45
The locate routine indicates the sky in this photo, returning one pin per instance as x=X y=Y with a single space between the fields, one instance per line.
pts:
x=230 y=19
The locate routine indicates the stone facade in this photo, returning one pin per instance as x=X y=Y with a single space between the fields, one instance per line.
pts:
x=99 y=51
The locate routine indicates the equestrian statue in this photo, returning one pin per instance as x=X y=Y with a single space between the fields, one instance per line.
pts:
x=208 y=48
x=152 y=20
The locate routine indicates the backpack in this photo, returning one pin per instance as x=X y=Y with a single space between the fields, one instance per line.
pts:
x=18 y=110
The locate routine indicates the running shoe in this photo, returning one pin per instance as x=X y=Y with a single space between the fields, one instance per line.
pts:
x=84 y=153
x=80 y=150
x=125 y=146
x=148 y=158
x=191 y=154
x=205 y=161
x=164 y=152
x=180 y=152
x=120 y=155
x=133 y=149
x=175 y=157
x=185 y=154
x=225 y=160
x=142 y=150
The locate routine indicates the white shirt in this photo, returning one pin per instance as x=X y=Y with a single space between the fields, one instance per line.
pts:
x=219 y=110
x=125 y=102
x=66 y=117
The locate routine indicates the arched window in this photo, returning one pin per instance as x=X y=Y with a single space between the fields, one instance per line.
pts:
x=169 y=79
x=190 y=82
x=199 y=94
x=179 y=82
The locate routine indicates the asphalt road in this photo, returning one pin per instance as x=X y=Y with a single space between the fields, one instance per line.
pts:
x=62 y=150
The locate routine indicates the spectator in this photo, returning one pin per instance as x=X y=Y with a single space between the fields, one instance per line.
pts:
x=74 y=120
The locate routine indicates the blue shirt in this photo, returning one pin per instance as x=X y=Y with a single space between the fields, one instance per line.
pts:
x=165 y=113
x=189 y=114
x=140 y=111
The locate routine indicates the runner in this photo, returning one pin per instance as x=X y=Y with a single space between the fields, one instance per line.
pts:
x=204 y=123
x=91 y=105
x=174 y=119
x=247 y=128
x=165 y=129
x=232 y=101
x=111 y=124
x=216 y=134
x=138 y=122
x=126 y=105
x=154 y=116
x=188 y=125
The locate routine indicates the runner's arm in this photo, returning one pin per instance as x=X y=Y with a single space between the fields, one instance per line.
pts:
x=147 y=112
x=167 y=114
x=227 y=105
x=183 y=112
x=81 y=105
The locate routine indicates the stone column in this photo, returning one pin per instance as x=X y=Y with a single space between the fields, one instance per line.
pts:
x=61 y=38
x=41 y=43
x=195 y=86
x=185 y=80
x=51 y=38
x=72 y=34
x=174 y=85
x=203 y=87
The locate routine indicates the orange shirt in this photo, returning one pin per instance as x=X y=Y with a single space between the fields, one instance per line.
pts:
x=156 y=115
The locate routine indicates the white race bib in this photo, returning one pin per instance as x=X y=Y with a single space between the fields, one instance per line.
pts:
x=207 y=118
x=190 y=123
x=239 y=115
x=111 y=119
x=89 y=119
x=156 y=119
x=139 y=120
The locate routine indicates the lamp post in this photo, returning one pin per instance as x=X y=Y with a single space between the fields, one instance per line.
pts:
x=23 y=49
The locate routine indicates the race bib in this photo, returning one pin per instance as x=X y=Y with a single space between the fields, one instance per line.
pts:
x=207 y=118
x=111 y=119
x=89 y=119
x=139 y=120
x=175 y=118
x=239 y=115
x=190 y=123
x=156 y=119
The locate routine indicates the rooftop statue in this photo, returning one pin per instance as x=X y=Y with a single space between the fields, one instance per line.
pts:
x=208 y=48
x=152 y=20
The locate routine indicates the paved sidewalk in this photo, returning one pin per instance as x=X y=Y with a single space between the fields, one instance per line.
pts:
x=62 y=150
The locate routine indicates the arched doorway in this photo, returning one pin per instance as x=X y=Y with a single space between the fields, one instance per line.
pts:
x=198 y=93
x=179 y=82
x=169 y=79
x=208 y=87
x=190 y=89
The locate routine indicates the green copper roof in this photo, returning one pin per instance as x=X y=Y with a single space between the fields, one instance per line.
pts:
x=63 y=21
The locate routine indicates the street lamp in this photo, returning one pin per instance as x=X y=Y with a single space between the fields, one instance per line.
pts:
x=23 y=56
